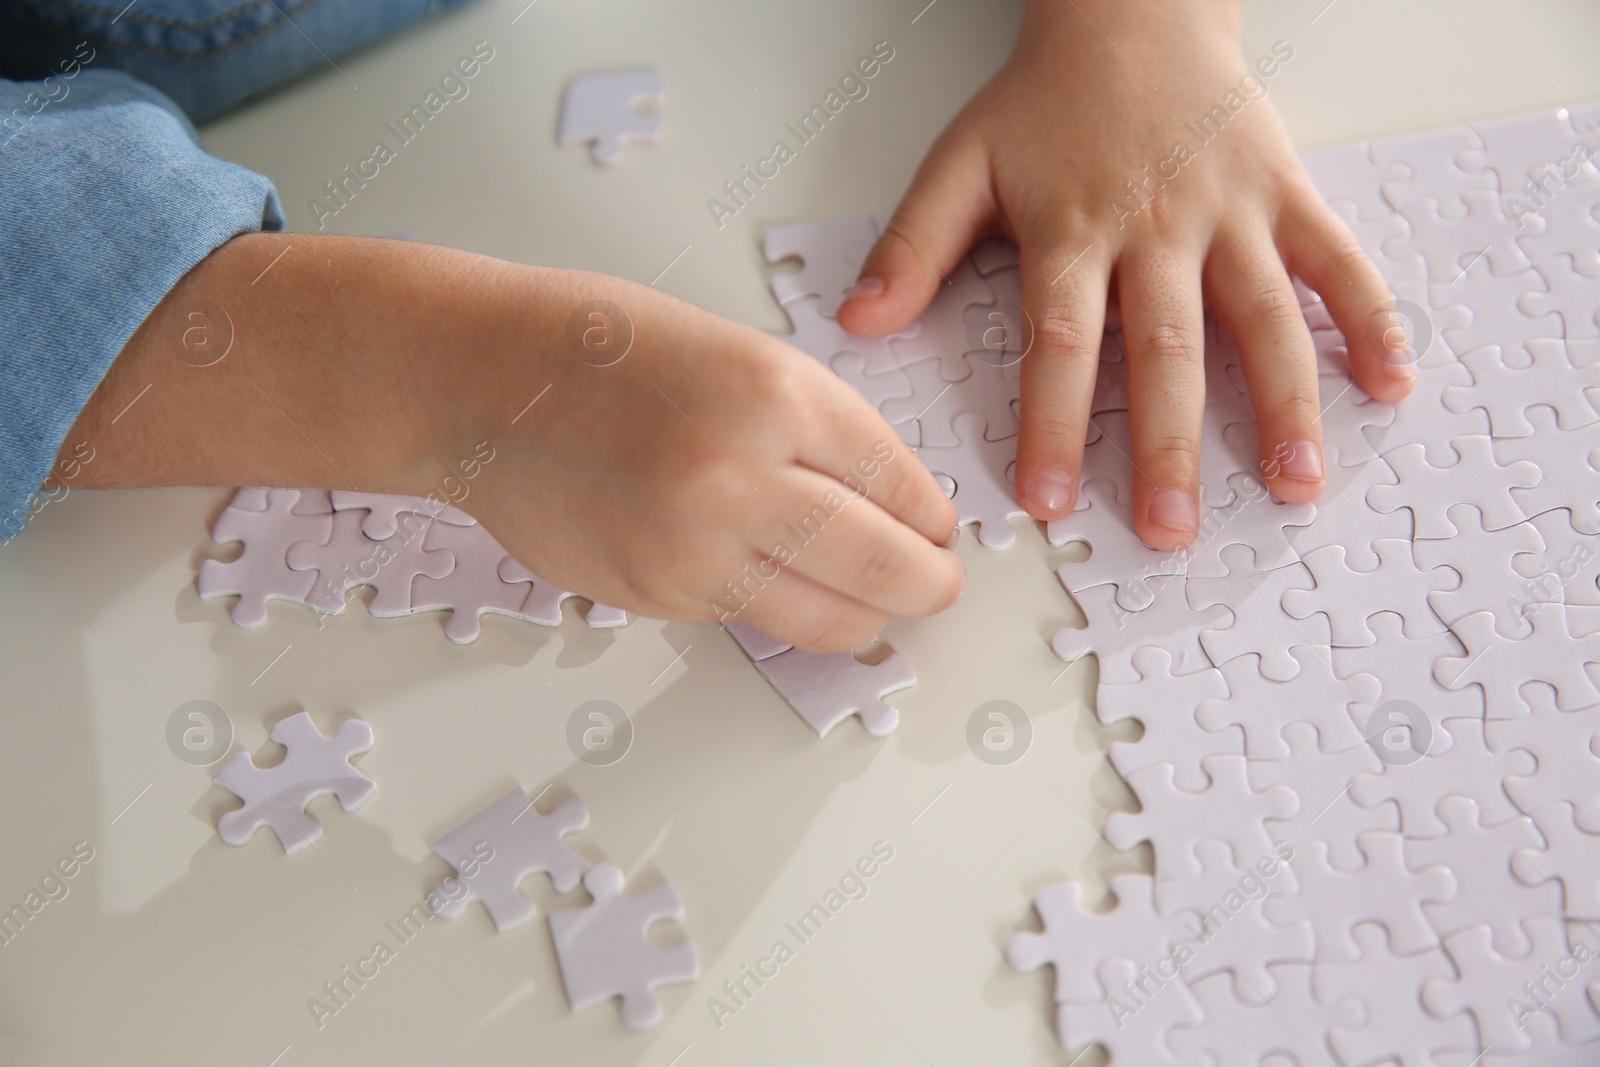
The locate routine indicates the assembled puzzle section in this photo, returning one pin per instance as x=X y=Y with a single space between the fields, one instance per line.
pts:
x=1390 y=696
x=418 y=554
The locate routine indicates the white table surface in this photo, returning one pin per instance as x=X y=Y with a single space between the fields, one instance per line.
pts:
x=173 y=949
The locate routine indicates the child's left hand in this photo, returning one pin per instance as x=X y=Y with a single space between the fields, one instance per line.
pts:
x=1095 y=92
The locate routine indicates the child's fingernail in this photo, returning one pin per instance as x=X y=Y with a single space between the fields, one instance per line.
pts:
x=866 y=288
x=1398 y=362
x=1174 y=509
x=1051 y=489
x=1303 y=463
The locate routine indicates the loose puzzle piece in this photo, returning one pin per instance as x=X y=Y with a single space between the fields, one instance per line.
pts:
x=1075 y=940
x=827 y=689
x=1161 y=1006
x=599 y=108
x=605 y=950
x=261 y=572
x=521 y=842
x=1174 y=821
x=313 y=766
x=1384 y=891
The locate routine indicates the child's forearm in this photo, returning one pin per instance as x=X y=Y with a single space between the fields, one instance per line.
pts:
x=316 y=361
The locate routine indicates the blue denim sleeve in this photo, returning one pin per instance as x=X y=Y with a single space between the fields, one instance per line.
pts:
x=207 y=55
x=106 y=201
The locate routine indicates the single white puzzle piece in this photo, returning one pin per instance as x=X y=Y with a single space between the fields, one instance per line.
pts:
x=1570 y=858
x=599 y=108
x=1475 y=478
x=1457 y=763
x=1552 y=653
x=1565 y=748
x=824 y=690
x=520 y=842
x=1114 y=634
x=313 y=766
x=605 y=951
x=1262 y=706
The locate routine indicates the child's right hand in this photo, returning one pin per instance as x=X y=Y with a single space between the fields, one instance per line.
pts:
x=706 y=466
x=710 y=469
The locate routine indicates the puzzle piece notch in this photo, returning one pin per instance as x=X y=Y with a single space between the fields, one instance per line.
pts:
x=980 y=469
x=1174 y=821
x=825 y=689
x=1348 y=597
x=1551 y=654
x=1168 y=1007
x=604 y=950
x=1164 y=703
x=261 y=572
x=599 y=108
x=385 y=512
x=522 y=842
x=1075 y=940
x=831 y=253
x=1499 y=990
x=1384 y=891
x=314 y=765
x=1476 y=478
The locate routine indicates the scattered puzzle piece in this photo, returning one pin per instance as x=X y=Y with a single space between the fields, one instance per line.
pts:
x=599 y=108
x=605 y=950
x=313 y=766
x=521 y=842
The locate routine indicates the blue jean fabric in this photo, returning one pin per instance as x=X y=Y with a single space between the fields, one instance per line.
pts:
x=107 y=198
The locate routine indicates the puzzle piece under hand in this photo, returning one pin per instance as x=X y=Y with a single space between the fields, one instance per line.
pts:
x=824 y=690
x=277 y=796
x=605 y=950
x=523 y=842
x=599 y=108
x=261 y=573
